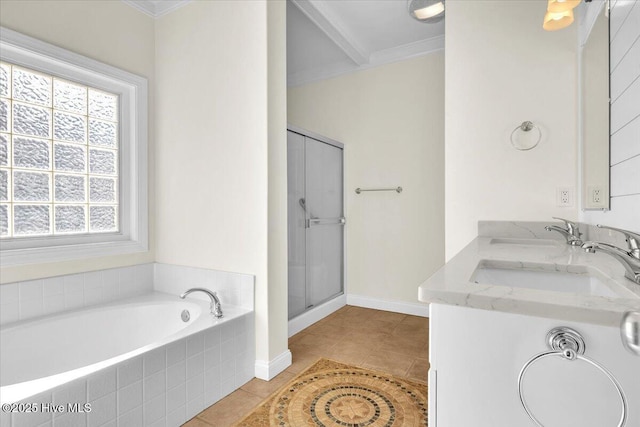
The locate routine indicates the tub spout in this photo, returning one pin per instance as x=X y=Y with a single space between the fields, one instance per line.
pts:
x=216 y=308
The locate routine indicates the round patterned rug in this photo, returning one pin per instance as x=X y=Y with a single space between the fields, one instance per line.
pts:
x=334 y=394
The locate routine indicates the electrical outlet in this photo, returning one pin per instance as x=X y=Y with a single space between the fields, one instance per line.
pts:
x=564 y=196
x=596 y=196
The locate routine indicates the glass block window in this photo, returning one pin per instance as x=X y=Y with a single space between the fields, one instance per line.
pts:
x=59 y=156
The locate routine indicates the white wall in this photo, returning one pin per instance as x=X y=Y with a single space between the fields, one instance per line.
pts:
x=625 y=119
x=390 y=119
x=220 y=142
x=501 y=69
x=213 y=152
x=107 y=31
x=277 y=298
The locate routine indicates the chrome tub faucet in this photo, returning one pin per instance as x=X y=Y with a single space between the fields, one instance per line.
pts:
x=571 y=232
x=215 y=306
x=630 y=258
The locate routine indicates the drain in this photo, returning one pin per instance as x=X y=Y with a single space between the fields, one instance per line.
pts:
x=185 y=315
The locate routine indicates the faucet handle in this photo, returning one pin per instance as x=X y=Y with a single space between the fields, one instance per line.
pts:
x=572 y=227
x=633 y=239
x=566 y=221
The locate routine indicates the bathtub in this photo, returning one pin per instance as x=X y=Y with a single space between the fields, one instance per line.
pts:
x=135 y=361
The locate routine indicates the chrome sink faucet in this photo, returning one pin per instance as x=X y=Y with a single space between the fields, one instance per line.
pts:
x=633 y=240
x=215 y=307
x=571 y=233
x=630 y=258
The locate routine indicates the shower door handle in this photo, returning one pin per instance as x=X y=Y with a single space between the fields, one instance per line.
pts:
x=326 y=221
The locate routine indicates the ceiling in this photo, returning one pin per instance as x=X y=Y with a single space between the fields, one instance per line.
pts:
x=326 y=38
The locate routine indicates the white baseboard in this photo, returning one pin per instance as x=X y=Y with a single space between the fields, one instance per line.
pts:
x=310 y=317
x=267 y=370
x=413 y=308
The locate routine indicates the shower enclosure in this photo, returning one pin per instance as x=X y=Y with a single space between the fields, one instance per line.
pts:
x=316 y=220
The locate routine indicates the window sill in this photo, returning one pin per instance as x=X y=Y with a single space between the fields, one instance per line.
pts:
x=43 y=255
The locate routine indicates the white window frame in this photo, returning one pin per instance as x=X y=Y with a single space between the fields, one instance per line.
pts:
x=19 y=49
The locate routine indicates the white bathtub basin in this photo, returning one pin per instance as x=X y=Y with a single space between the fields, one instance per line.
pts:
x=40 y=354
x=557 y=281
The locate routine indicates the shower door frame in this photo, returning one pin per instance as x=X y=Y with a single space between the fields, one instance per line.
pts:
x=341 y=295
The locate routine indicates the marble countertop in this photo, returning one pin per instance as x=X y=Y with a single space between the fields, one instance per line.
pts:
x=533 y=250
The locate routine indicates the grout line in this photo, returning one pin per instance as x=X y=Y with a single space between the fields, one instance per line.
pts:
x=203 y=420
x=626 y=88
x=613 y=70
x=626 y=195
x=624 y=21
x=627 y=159
x=625 y=125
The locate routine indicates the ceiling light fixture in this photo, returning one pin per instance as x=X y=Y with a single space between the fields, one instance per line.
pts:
x=559 y=14
x=554 y=21
x=556 y=6
x=428 y=11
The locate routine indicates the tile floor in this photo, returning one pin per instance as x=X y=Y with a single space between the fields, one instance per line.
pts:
x=389 y=342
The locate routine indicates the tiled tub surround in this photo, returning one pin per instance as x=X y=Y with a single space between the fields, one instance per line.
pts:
x=531 y=247
x=232 y=288
x=164 y=382
x=34 y=298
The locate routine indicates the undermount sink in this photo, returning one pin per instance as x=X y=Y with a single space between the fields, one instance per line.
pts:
x=515 y=276
x=524 y=242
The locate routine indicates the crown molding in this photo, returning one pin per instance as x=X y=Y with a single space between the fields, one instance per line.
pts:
x=406 y=51
x=156 y=9
x=330 y=24
x=376 y=59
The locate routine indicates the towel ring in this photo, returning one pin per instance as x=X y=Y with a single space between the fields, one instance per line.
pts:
x=569 y=345
x=525 y=127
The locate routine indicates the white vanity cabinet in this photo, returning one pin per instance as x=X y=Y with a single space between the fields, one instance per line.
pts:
x=476 y=356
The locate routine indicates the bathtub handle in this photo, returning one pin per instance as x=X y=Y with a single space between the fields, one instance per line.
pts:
x=214 y=306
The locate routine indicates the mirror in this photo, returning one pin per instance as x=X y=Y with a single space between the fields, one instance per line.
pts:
x=595 y=107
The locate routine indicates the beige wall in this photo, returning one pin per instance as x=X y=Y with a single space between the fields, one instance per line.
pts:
x=391 y=121
x=502 y=68
x=107 y=31
x=213 y=153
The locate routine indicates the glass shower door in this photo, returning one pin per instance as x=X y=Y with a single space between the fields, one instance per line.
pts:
x=325 y=221
x=316 y=222
x=297 y=224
